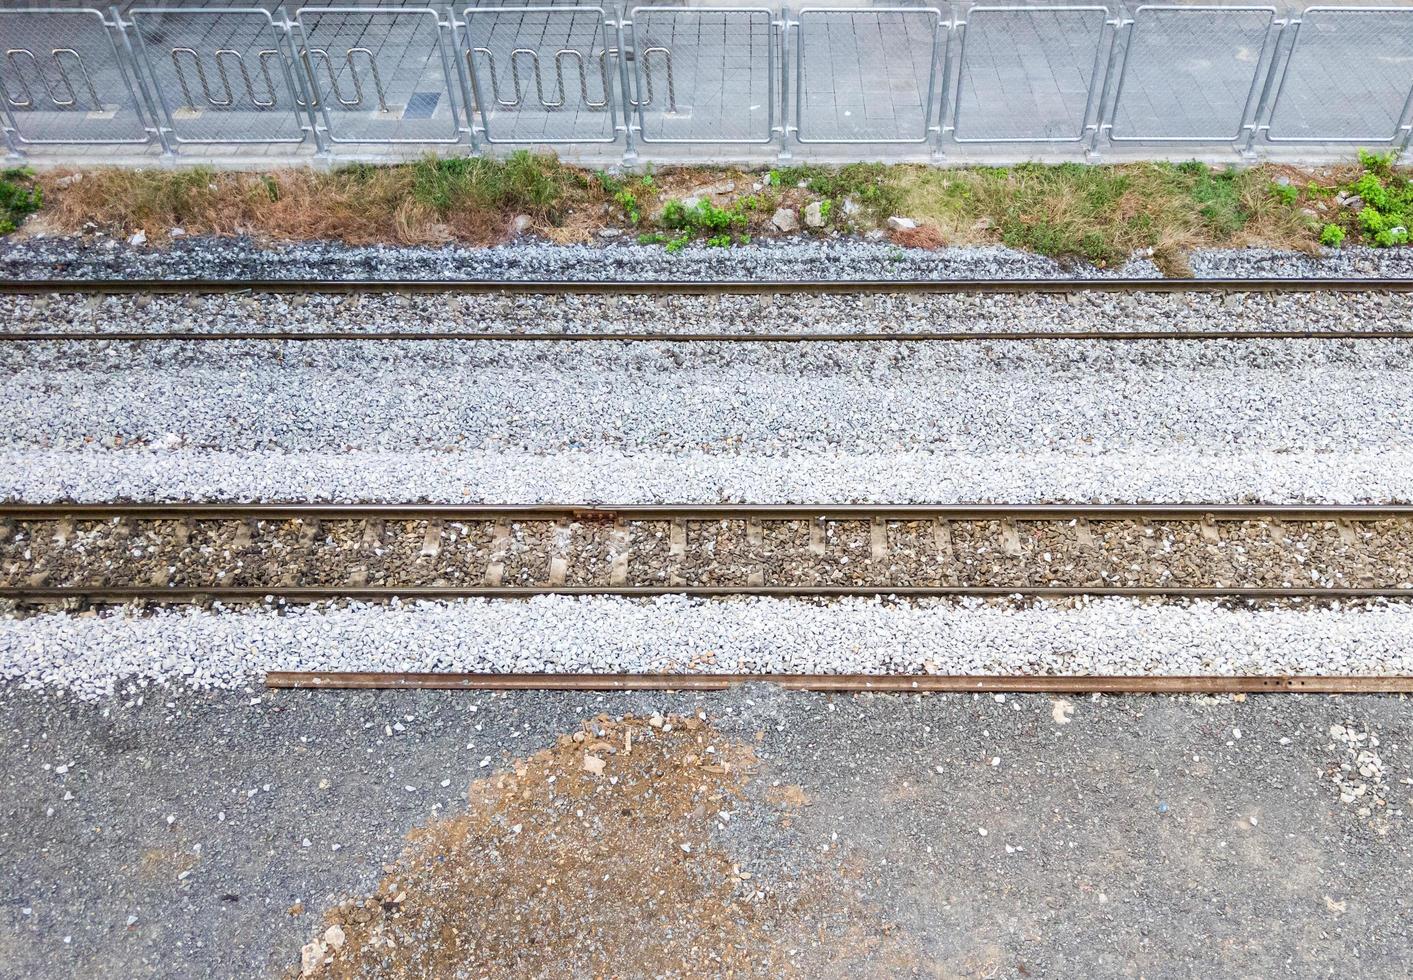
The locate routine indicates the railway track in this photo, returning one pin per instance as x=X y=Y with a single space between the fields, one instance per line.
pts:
x=189 y=553
x=824 y=288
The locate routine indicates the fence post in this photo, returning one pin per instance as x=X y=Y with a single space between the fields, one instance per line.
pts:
x=1273 y=70
x=9 y=127
x=785 y=89
x=150 y=103
x=302 y=70
x=626 y=99
x=458 y=52
x=1091 y=154
x=944 y=35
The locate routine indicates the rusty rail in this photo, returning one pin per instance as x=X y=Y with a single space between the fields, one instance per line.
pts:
x=842 y=683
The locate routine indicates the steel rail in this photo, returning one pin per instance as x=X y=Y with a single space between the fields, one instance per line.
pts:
x=158 y=595
x=845 y=683
x=682 y=287
x=929 y=336
x=661 y=512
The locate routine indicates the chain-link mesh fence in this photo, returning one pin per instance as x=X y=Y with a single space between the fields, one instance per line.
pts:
x=379 y=74
x=63 y=79
x=867 y=74
x=543 y=74
x=1191 y=73
x=703 y=74
x=220 y=75
x=1029 y=74
x=1348 y=76
x=896 y=76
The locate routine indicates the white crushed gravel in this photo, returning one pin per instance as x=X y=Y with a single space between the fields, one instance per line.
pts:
x=588 y=314
x=611 y=476
x=793 y=258
x=94 y=656
x=526 y=422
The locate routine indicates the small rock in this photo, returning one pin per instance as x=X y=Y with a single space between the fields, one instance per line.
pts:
x=593 y=764
x=610 y=233
x=311 y=957
x=1354 y=203
x=1283 y=180
x=814 y=215
x=851 y=206
x=691 y=202
x=785 y=220
x=138 y=238
x=723 y=187
x=875 y=234
x=522 y=224
x=899 y=223
x=176 y=233
x=333 y=937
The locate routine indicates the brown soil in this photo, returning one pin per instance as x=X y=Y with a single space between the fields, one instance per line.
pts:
x=605 y=856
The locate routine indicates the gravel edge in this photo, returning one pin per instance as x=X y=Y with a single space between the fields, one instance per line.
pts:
x=842 y=259
x=98 y=655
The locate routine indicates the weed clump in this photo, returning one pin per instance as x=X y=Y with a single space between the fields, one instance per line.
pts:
x=20 y=197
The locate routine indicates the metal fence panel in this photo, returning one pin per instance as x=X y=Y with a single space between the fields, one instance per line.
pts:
x=543 y=74
x=866 y=74
x=1348 y=78
x=704 y=74
x=379 y=74
x=63 y=79
x=1190 y=73
x=1029 y=74
x=221 y=75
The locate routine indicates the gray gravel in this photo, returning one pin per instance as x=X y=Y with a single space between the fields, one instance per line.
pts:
x=523 y=422
x=785 y=312
x=1155 y=837
x=58 y=257
x=95 y=654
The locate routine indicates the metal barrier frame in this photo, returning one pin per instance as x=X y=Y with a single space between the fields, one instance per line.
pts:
x=941 y=28
x=140 y=103
x=1400 y=124
x=1247 y=121
x=307 y=67
x=772 y=23
x=304 y=119
x=625 y=104
x=618 y=117
x=1098 y=79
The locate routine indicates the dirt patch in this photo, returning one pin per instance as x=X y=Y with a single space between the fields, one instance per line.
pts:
x=614 y=852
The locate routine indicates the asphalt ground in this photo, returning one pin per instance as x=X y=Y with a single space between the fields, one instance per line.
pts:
x=944 y=835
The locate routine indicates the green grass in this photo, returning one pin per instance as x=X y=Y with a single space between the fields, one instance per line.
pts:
x=1099 y=214
x=1103 y=214
x=522 y=182
x=19 y=197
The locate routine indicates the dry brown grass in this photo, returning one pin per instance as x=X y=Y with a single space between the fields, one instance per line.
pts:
x=923 y=236
x=365 y=205
x=1100 y=214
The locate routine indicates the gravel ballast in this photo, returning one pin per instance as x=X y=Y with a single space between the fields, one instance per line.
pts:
x=590 y=314
x=43 y=257
x=92 y=655
x=517 y=422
